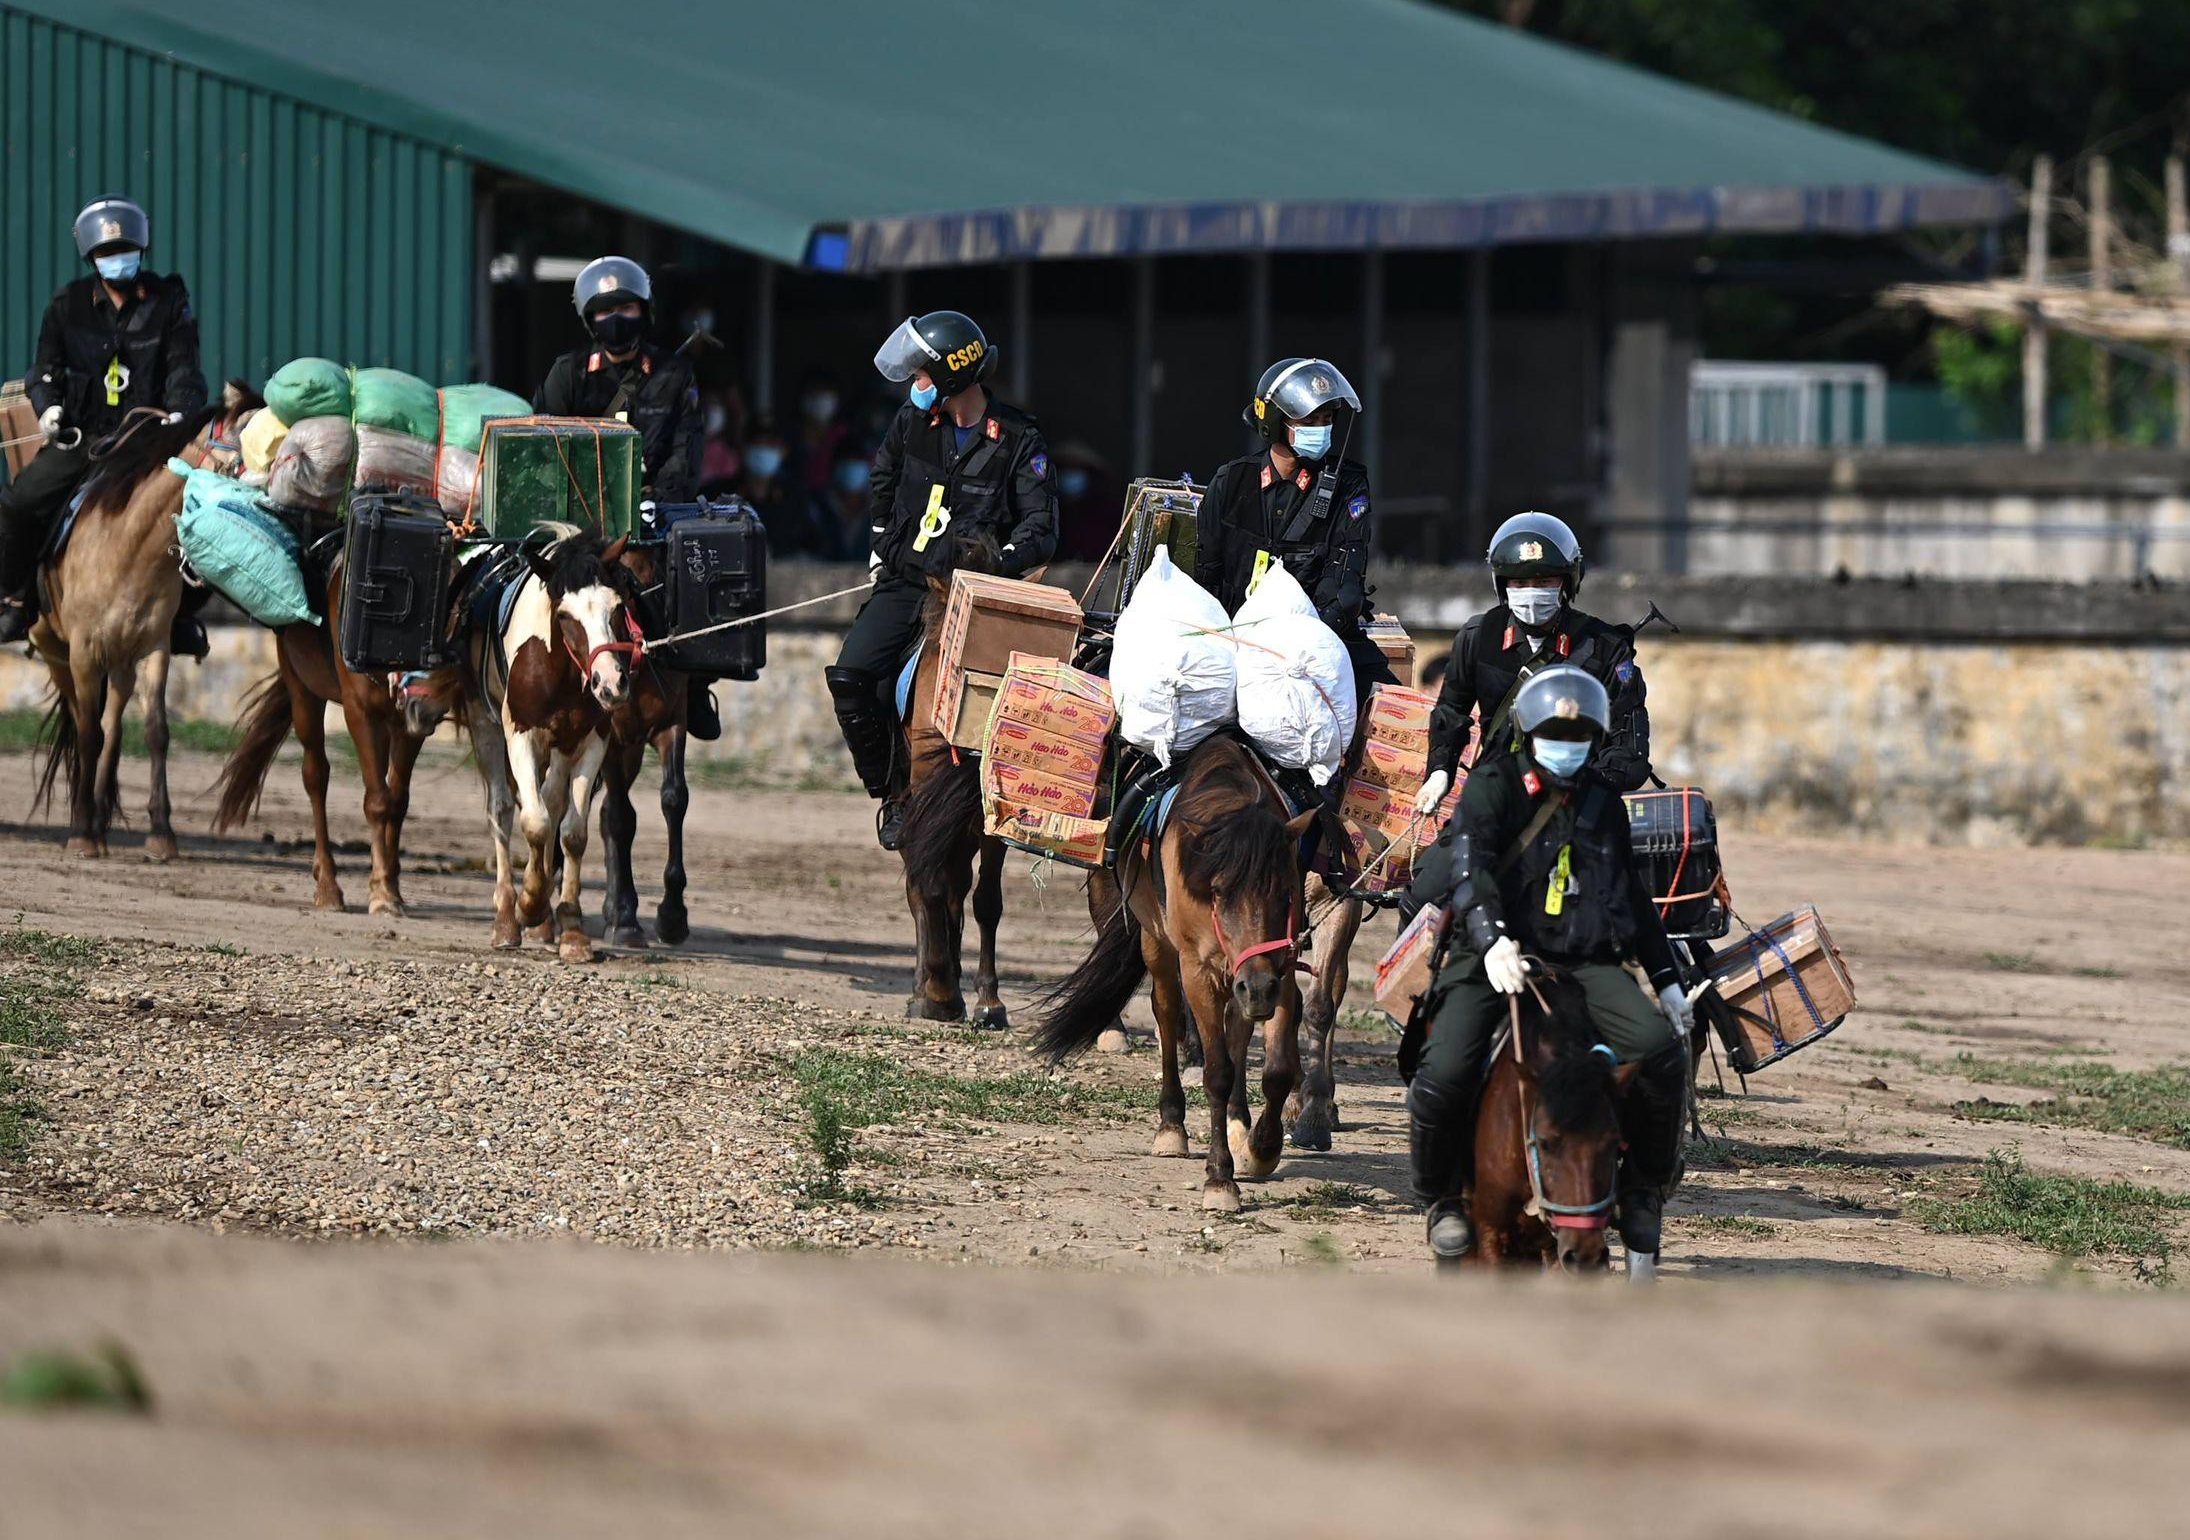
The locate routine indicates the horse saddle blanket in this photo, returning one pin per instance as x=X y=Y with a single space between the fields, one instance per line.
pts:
x=905 y=678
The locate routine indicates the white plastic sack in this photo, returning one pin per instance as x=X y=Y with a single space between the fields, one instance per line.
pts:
x=1170 y=677
x=1295 y=682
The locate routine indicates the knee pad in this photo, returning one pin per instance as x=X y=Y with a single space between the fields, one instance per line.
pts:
x=852 y=685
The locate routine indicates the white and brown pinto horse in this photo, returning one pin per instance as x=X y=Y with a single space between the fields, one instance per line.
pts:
x=544 y=684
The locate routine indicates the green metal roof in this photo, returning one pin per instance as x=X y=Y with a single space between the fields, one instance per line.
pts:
x=874 y=134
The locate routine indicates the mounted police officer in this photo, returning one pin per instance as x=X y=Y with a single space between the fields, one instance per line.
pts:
x=1297 y=502
x=117 y=338
x=1538 y=862
x=1536 y=563
x=624 y=376
x=955 y=461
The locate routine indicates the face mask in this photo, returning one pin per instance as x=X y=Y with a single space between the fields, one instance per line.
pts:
x=717 y=419
x=1560 y=757
x=851 y=475
x=1312 y=443
x=764 y=459
x=821 y=406
x=922 y=396
x=1534 y=606
x=618 y=333
x=119 y=268
x=1072 y=483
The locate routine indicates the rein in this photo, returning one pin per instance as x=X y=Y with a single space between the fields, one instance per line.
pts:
x=1287 y=946
x=630 y=651
x=1560 y=1216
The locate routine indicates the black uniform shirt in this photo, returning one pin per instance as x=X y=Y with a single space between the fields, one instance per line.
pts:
x=1603 y=910
x=1490 y=654
x=659 y=399
x=1246 y=512
x=97 y=361
x=927 y=491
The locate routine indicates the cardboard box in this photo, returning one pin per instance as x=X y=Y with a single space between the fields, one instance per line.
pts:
x=1017 y=786
x=18 y=427
x=1399 y=717
x=1404 y=974
x=1387 y=764
x=1034 y=748
x=1077 y=841
x=1769 y=1016
x=1377 y=807
x=1391 y=639
x=1065 y=701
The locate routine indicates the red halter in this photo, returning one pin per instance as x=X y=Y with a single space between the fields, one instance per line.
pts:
x=630 y=651
x=1288 y=945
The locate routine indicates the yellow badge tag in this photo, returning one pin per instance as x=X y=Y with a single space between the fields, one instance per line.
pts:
x=1262 y=565
x=117 y=380
x=1561 y=875
x=935 y=520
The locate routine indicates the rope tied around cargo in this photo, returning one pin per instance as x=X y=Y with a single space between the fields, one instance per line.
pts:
x=598 y=512
x=651 y=644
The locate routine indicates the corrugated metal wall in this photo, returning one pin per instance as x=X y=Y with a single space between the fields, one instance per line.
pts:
x=299 y=231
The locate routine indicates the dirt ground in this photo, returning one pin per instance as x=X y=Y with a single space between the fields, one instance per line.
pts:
x=237 y=1061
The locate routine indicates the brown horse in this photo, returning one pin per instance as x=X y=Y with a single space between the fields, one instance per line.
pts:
x=942 y=838
x=111 y=603
x=1547 y=1140
x=389 y=720
x=1212 y=919
x=1312 y=1115
x=652 y=714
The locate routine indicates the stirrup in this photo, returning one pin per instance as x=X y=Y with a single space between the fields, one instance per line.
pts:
x=889 y=822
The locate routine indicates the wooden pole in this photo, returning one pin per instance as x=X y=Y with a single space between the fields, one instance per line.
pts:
x=2034 y=328
x=2100 y=186
x=2178 y=254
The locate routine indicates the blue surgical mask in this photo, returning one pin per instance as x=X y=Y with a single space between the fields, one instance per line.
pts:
x=853 y=475
x=1312 y=443
x=764 y=460
x=922 y=396
x=1560 y=757
x=119 y=268
x=1072 y=483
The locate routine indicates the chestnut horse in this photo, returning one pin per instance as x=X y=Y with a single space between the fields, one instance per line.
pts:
x=942 y=839
x=1212 y=919
x=389 y=719
x=1547 y=1137
x=111 y=603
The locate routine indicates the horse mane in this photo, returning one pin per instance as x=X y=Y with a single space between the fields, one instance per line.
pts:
x=238 y=396
x=572 y=562
x=149 y=448
x=1234 y=840
x=1574 y=1080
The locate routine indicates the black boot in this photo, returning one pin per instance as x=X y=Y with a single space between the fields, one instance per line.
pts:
x=701 y=720
x=1650 y=1120
x=16 y=620
x=872 y=736
x=186 y=638
x=1441 y=1143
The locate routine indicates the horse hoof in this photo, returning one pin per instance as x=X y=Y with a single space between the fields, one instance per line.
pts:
x=627 y=936
x=507 y=940
x=1169 y=1142
x=920 y=1008
x=1245 y=1161
x=160 y=849
x=672 y=927
x=392 y=908
x=82 y=848
x=574 y=947
x=1113 y=1040
x=1220 y=1197
x=992 y=1018
x=1312 y=1129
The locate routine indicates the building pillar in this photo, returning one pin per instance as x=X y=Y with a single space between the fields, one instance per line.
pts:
x=1369 y=435
x=1653 y=348
x=1475 y=376
x=1021 y=357
x=1144 y=367
x=762 y=363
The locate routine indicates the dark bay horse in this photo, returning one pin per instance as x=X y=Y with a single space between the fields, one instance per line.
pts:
x=942 y=840
x=1547 y=1140
x=1211 y=917
x=653 y=713
x=389 y=719
x=112 y=598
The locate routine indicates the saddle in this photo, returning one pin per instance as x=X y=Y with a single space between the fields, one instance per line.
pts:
x=56 y=542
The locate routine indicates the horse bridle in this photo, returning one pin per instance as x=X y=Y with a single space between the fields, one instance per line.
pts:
x=631 y=651
x=1288 y=945
x=1560 y=1216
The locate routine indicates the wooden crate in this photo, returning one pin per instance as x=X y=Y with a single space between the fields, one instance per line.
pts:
x=1405 y=973
x=18 y=421
x=1391 y=639
x=1771 y=1011
x=989 y=619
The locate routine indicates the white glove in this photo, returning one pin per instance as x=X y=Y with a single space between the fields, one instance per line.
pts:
x=1433 y=792
x=1502 y=965
x=874 y=566
x=1673 y=1000
x=49 y=422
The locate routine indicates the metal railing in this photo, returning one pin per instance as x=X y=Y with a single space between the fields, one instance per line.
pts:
x=1785 y=406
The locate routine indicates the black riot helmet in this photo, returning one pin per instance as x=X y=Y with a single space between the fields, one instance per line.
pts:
x=607 y=281
x=954 y=352
x=1536 y=545
x=1563 y=701
x=111 y=222
x=1294 y=388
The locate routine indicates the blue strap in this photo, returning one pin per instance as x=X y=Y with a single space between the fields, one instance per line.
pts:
x=1770 y=1012
x=905 y=677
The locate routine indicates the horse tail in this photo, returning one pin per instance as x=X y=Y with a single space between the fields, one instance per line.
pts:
x=1087 y=1003
x=58 y=733
x=261 y=729
x=942 y=811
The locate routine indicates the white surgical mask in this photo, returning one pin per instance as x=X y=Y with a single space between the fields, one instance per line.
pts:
x=1560 y=757
x=1312 y=443
x=717 y=419
x=1534 y=606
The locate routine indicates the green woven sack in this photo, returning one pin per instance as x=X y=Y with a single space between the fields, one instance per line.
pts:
x=246 y=553
x=309 y=387
x=466 y=408
x=399 y=402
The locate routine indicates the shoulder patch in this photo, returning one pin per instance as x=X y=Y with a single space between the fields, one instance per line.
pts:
x=1039 y=465
x=1624 y=672
x=1357 y=508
